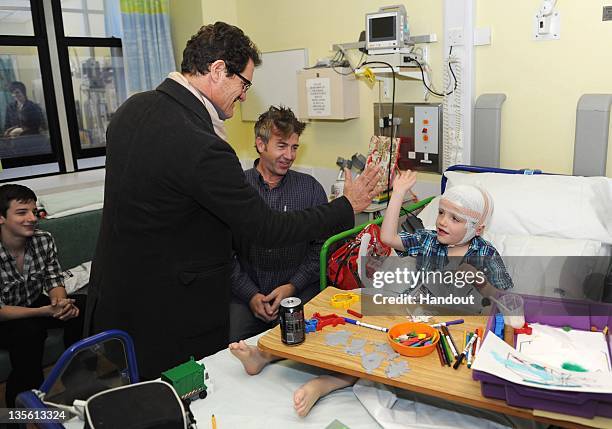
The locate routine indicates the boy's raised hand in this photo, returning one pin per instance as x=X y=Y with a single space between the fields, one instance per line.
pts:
x=404 y=181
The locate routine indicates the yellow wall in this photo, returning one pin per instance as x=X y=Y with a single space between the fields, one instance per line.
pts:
x=316 y=25
x=542 y=80
x=185 y=20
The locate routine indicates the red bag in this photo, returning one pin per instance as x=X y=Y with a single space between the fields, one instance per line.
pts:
x=342 y=266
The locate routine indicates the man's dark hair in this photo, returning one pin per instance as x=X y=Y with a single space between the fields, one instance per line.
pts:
x=11 y=192
x=17 y=85
x=219 y=41
x=280 y=120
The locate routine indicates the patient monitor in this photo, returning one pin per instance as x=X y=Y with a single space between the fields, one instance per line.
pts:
x=387 y=30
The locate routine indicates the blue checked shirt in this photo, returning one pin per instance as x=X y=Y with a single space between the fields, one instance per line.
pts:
x=432 y=255
x=260 y=270
x=41 y=271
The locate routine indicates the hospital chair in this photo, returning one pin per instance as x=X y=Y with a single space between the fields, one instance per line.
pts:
x=103 y=361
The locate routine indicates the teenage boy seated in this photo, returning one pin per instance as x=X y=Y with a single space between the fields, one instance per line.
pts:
x=29 y=267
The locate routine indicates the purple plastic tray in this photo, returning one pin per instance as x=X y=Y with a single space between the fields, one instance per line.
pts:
x=554 y=312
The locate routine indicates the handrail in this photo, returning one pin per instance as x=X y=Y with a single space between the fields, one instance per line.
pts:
x=477 y=169
x=331 y=240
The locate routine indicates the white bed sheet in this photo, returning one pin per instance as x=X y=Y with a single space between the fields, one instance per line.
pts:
x=266 y=400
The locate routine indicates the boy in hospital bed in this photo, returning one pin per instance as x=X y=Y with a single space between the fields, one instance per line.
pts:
x=463 y=214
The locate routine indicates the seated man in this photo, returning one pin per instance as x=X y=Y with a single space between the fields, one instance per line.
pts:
x=261 y=277
x=23 y=116
x=29 y=267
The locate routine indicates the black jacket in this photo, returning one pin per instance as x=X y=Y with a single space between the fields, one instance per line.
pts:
x=174 y=195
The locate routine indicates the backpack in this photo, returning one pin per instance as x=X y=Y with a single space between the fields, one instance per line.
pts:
x=342 y=269
x=146 y=405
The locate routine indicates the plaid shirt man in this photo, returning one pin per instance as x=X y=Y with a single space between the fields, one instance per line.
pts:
x=432 y=255
x=260 y=270
x=41 y=271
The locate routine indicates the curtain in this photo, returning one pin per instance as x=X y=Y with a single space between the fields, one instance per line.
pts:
x=7 y=75
x=147 y=43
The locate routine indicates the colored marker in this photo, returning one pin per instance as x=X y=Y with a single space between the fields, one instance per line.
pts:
x=354 y=313
x=469 y=352
x=442 y=361
x=465 y=350
x=445 y=349
x=472 y=352
x=365 y=325
x=478 y=341
x=440 y=346
x=213 y=422
x=449 y=323
x=449 y=340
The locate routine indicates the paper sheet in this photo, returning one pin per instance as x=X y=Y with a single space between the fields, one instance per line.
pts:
x=499 y=359
x=555 y=346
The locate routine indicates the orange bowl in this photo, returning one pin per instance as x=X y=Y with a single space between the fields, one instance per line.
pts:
x=419 y=328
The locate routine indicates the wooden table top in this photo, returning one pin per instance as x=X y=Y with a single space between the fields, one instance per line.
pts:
x=426 y=375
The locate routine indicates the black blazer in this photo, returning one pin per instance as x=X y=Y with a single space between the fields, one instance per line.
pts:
x=174 y=195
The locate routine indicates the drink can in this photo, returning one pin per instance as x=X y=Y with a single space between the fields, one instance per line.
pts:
x=291 y=314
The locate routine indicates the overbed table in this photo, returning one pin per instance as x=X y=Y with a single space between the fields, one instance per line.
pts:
x=426 y=375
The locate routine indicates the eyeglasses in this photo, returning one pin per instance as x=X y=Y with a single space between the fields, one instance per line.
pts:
x=246 y=84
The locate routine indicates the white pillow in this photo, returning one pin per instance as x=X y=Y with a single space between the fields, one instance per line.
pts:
x=545 y=266
x=557 y=267
x=546 y=205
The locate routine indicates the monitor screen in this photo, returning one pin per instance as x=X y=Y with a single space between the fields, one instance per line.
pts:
x=382 y=28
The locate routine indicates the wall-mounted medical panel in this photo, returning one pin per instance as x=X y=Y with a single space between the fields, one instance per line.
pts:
x=419 y=128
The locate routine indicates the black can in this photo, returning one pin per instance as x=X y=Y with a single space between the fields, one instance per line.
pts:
x=291 y=314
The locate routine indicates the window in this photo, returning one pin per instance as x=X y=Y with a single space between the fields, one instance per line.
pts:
x=62 y=77
x=93 y=78
x=84 y=18
x=22 y=103
x=29 y=131
x=16 y=18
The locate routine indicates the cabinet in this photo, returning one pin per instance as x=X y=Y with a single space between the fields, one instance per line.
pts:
x=327 y=93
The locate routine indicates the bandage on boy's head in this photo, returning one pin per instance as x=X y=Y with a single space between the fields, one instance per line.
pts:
x=471 y=203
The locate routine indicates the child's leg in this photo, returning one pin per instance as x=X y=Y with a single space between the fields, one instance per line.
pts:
x=309 y=393
x=251 y=357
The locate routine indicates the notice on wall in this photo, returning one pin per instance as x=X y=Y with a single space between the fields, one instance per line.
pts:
x=318 y=97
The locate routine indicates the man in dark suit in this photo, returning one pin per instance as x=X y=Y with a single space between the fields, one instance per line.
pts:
x=175 y=194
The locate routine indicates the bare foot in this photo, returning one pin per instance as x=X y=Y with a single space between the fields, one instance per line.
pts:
x=309 y=393
x=251 y=357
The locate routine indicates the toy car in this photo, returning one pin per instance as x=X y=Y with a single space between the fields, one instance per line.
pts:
x=188 y=379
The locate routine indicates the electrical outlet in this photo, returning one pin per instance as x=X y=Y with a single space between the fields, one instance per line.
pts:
x=387 y=89
x=425 y=54
x=455 y=36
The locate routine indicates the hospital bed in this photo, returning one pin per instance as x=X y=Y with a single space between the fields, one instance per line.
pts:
x=554 y=232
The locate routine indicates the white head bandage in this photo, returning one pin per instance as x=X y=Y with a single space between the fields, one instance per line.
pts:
x=471 y=203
